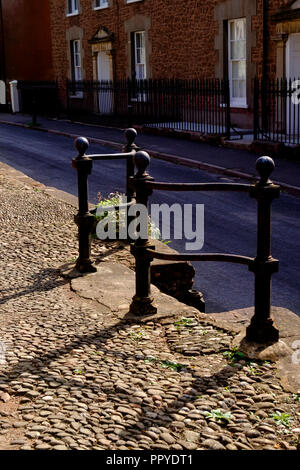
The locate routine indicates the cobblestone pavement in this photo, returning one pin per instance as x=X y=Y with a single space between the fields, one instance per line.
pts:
x=76 y=377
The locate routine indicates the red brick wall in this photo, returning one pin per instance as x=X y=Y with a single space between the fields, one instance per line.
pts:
x=27 y=38
x=182 y=35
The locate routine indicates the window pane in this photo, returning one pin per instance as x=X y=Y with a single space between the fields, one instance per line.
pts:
x=140 y=71
x=140 y=56
x=238 y=50
x=77 y=74
x=239 y=88
x=240 y=29
x=239 y=70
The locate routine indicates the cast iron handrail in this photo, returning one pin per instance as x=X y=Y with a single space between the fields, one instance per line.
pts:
x=197 y=186
x=261 y=328
x=201 y=257
x=85 y=218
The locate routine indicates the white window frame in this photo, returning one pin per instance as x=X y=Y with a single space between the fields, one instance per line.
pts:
x=72 y=7
x=101 y=4
x=76 y=64
x=236 y=102
x=135 y=54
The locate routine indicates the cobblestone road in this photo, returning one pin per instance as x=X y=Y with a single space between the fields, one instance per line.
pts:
x=76 y=377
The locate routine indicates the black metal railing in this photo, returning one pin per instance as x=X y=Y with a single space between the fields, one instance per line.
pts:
x=189 y=105
x=85 y=218
x=277 y=111
x=39 y=97
x=261 y=329
x=139 y=187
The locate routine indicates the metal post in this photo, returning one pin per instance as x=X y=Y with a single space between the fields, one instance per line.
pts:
x=256 y=108
x=84 y=219
x=227 y=104
x=142 y=302
x=261 y=328
x=68 y=101
x=130 y=135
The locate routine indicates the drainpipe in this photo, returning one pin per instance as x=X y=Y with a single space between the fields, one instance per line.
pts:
x=264 y=58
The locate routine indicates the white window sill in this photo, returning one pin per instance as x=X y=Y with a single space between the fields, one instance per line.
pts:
x=75 y=13
x=239 y=105
x=133 y=1
x=235 y=105
x=101 y=8
x=78 y=95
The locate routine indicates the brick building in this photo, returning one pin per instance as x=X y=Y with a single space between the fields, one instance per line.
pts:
x=238 y=39
x=26 y=51
x=25 y=41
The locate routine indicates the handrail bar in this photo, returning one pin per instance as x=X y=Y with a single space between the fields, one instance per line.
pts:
x=198 y=186
x=201 y=257
x=112 y=156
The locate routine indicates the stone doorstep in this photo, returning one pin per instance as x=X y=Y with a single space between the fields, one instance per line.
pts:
x=113 y=286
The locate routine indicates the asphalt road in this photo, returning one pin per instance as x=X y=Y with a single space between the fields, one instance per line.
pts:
x=230 y=218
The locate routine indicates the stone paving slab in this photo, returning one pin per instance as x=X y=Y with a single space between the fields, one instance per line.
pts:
x=113 y=285
x=78 y=375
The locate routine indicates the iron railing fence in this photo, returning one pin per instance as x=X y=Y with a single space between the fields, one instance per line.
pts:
x=139 y=187
x=39 y=97
x=277 y=111
x=189 y=105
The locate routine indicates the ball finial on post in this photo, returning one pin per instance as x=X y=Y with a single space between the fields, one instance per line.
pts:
x=130 y=135
x=265 y=166
x=81 y=145
x=141 y=161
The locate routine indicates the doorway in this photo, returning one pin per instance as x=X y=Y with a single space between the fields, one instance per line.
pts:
x=104 y=72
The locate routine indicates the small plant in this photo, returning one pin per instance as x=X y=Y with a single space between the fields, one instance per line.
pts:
x=183 y=322
x=117 y=218
x=137 y=335
x=78 y=372
x=254 y=370
x=150 y=359
x=296 y=396
x=234 y=354
x=284 y=419
x=172 y=365
x=219 y=415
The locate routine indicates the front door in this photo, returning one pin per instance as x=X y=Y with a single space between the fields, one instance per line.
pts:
x=105 y=96
x=293 y=73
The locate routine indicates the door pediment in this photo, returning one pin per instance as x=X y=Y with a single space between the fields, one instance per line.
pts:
x=289 y=12
x=102 y=35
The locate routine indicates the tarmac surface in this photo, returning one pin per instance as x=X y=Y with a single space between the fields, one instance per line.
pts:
x=237 y=161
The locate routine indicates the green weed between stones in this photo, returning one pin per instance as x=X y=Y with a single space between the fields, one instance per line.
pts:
x=283 y=419
x=219 y=415
x=172 y=365
x=184 y=322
